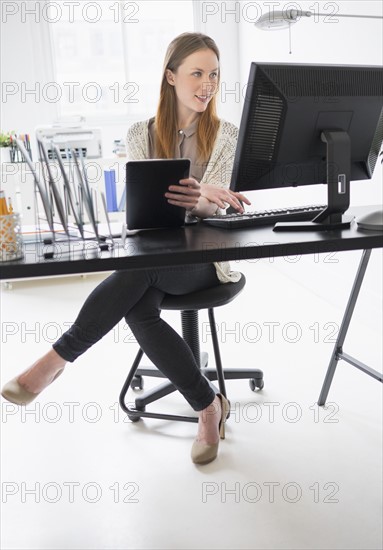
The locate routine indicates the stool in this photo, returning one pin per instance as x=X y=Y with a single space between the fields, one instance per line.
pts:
x=189 y=305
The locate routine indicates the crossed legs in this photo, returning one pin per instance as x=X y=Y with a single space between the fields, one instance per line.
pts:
x=136 y=296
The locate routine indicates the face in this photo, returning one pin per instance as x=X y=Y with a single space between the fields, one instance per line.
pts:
x=195 y=82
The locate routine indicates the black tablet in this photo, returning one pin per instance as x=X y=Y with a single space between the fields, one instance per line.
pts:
x=147 y=181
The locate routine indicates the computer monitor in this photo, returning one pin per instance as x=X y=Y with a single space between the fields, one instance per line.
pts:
x=310 y=124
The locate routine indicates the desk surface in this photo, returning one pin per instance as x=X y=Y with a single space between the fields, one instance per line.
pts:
x=193 y=244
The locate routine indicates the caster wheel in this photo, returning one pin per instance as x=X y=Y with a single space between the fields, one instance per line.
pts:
x=135 y=418
x=137 y=382
x=256 y=384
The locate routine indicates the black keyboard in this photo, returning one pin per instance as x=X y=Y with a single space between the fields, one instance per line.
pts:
x=265 y=217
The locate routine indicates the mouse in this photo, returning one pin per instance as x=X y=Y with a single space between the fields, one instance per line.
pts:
x=372 y=221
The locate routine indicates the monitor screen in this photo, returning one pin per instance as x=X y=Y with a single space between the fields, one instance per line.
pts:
x=309 y=124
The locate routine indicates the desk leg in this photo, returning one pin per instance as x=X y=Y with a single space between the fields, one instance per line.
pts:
x=338 y=353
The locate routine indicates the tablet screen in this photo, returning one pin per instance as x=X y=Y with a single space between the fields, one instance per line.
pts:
x=147 y=181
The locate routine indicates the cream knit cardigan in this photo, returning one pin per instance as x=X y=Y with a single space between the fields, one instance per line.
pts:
x=218 y=170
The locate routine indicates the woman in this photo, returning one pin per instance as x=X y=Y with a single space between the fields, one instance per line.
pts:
x=186 y=125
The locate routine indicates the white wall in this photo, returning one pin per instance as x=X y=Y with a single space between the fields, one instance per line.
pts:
x=26 y=65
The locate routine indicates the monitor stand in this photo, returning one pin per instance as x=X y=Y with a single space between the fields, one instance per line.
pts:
x=338 y=160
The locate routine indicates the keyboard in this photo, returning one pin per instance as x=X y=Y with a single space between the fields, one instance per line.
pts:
x=265 y=217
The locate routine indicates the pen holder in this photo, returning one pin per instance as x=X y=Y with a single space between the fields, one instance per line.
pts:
x=11 y=241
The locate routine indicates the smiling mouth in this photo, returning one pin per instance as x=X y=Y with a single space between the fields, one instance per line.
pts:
x=203 y=98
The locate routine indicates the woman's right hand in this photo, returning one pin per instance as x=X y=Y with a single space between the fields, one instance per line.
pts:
x=187 y=194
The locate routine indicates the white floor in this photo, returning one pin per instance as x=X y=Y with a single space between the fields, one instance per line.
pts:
x=76 y=474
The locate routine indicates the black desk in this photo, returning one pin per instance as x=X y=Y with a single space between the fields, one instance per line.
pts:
x=200 y=244
x=194 y=244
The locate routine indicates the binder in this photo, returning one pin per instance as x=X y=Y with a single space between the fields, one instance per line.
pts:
x=110 y=190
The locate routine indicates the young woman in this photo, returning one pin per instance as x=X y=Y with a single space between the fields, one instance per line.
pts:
x=185 y=125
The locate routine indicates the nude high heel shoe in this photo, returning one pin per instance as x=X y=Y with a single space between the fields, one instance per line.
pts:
x=202 y=453
x=14 y=392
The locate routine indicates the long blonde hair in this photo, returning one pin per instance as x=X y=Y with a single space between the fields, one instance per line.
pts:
x=166 y=118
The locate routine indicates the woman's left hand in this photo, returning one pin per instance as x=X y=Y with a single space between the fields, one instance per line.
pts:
x=186 y=194
x=224 y=197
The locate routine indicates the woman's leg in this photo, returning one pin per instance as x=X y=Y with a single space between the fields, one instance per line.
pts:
x=137 y=296
x=167 y=350
x=119 y=296
x=101 y=311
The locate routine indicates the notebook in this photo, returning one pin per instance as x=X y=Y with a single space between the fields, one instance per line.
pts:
x=146 y=184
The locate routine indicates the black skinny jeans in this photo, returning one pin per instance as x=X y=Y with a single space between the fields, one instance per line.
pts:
x=137 y=296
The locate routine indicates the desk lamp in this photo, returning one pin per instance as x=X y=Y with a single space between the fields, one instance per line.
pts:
x=278 y=20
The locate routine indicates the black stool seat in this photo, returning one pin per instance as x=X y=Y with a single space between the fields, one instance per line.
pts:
x=189 y=305
x=216 y=296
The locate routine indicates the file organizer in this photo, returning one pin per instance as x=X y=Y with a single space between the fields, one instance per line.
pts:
x=60 y=200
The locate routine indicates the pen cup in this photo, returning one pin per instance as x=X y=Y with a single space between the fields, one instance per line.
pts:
x=11 y=241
